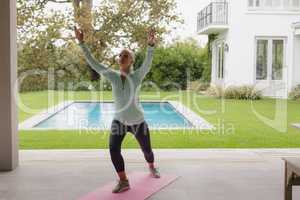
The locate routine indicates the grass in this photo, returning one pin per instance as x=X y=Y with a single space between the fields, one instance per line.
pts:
x=237 y=124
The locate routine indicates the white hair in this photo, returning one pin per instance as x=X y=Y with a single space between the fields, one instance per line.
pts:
x=131 y=54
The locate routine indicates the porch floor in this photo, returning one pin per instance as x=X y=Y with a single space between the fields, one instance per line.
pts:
x=215 y=174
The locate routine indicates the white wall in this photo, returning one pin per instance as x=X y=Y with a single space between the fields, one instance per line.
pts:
x=244 y=26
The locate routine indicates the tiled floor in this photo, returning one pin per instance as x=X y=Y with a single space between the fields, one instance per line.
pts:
x=204 y=174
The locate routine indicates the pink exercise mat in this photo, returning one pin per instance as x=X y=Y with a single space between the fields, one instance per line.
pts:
x=142 y=187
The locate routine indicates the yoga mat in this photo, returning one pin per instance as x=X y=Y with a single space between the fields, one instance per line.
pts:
x=142 y=187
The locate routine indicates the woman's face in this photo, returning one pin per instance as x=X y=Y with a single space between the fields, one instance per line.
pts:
x=125 y=59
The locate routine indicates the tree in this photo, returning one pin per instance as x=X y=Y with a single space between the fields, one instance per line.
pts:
x=113 y=23
x=176 y=64
x=43 y=51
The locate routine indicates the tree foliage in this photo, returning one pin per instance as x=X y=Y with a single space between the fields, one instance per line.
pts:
x=112 y=24
x=173 y=66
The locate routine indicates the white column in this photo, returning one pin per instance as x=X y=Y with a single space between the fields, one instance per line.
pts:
x=8 y=74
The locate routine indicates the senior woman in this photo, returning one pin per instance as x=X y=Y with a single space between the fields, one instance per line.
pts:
x=128 y=114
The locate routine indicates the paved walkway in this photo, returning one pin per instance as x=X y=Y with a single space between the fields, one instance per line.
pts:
x=205 y=174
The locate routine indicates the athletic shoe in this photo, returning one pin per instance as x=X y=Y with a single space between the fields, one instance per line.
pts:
x=122 y=186
x=154 y=172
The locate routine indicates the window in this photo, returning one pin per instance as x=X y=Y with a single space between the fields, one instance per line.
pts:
x=257 y=3
x=220 y=60
x=262 y=59
x=269 y=59
x=250 y=3
x=254 y=3
x=286 y=3
x=268 y=3
x=291 y=4
x=277 y=62
x=274 y=4
x=296 y=3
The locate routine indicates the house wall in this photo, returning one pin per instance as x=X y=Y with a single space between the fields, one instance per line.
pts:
x=244 y=26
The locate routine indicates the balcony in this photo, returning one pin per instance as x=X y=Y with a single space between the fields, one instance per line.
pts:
x=213 y=19
x=296 y=28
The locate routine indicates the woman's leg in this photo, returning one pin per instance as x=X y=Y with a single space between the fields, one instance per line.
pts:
x=118 y=132
x=142 y=134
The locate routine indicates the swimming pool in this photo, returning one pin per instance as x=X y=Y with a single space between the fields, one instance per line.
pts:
x=99 y=115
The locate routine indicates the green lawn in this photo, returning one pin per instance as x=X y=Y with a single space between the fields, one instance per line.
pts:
x=237 y=125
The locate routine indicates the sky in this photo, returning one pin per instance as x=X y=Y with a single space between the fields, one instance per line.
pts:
x=188 y=10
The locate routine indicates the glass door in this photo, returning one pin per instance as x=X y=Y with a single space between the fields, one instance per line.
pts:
x=220 y=60
x=270 y=67
x=270 y=58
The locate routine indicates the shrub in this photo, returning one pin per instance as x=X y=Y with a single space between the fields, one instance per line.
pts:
x=198 y=86
x=216 y=91
x=102 y=85
x=245 y=92
x=84 y=85
x=33 y=83
x=174 y=64
x=242 y=92
x=295 y=93
x=149 y=86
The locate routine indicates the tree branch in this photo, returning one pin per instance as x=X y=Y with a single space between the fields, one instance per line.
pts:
x=61 y=1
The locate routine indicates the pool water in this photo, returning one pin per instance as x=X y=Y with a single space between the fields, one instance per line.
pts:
x=99 y=115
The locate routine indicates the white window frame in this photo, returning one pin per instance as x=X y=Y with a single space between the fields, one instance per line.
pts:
x=262 y=6
x=270 y=57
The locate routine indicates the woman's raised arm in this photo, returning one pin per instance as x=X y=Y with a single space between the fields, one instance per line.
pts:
x=145 y=68
x=97 y=66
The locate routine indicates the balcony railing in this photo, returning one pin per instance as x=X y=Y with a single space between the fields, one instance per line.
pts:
x=216 y=13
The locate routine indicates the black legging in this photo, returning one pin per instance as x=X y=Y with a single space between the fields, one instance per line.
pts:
x=118 y=132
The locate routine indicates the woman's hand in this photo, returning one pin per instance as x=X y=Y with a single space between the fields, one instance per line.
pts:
x=151 y=37
x=78 y=34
